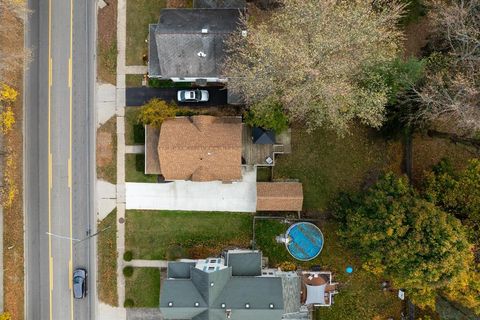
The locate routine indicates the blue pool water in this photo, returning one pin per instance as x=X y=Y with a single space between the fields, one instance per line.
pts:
x=306 y=241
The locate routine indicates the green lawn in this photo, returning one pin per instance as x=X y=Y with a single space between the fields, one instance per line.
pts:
x=179 y=234
x=327 y=164
x=134 y=131
x=133 y=80
x=107 y=259
x=264 y=174
x=140 y=14
x=143 y=287
x=360 y=295
x=135 y=168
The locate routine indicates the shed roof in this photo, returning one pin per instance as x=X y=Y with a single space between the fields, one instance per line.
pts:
x=190 y=42
x=279 y=196
x=263 y=136
x=201 y=148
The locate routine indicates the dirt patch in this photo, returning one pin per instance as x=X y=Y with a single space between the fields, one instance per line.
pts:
x=107 y=151
x=104 y=148
x=416 y=35
x=107 y=42
x=107 y=22
x=179 y=3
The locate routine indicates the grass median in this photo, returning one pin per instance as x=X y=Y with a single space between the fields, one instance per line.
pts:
x=107 y=259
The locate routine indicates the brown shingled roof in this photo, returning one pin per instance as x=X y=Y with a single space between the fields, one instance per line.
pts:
x=279 y=196
x=201 y=148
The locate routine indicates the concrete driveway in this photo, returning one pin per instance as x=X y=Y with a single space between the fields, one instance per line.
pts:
x=195 y=196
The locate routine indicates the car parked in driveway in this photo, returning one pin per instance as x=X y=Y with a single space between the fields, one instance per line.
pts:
x=79 y=283
x=192 y=95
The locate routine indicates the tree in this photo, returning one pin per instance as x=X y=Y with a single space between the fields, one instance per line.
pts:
x=451 y=91
x=5 y=316
x=403 y=237
x=155 y=112
x=8 y=95
x=311 y=55
x=457 y=193
x=267 y=114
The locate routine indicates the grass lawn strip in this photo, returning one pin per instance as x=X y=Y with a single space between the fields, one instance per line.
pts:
x=107 y=42
x=169 y=235
x=107 y=151
x=143 y=287
x=140 y=14
x=134 y=131
x=327 y=164
x=133 y=80
x=107 y=260
x=135 y=168
x=360 y=294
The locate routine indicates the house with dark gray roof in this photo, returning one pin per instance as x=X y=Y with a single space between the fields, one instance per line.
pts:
x=188 y=44
x=233 y=286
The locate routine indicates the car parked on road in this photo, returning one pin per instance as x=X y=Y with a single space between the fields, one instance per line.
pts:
x=79 y=283
x=192 y=95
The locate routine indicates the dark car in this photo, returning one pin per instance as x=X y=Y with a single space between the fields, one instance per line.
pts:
x=79 y=283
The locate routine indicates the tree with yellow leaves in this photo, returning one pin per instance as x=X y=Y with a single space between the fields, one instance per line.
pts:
x=5 y=316
x=8 y=95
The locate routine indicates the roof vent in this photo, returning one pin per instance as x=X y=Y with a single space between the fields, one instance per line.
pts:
x=271 y=306
x=196 y=304
x=244 y=33
x=170 y=304
x=223 y=305
x=205 y=30
x=247 y=305
x=228 y=312
x=212 y=284
x=201 y=54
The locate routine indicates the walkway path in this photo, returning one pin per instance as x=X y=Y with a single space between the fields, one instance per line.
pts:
x=135 y=149
x=147 y=263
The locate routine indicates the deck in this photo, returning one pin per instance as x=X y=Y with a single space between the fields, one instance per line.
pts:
x=257 y=154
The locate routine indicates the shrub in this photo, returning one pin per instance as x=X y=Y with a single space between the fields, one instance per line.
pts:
x=156 y=111
x=128 y=256
x=287 y=266
x=128 y=271
x=128 y=303
x=267 y=114
x=140 y=162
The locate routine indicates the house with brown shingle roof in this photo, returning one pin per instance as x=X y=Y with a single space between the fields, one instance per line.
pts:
x=198 y=148
x=279 y=196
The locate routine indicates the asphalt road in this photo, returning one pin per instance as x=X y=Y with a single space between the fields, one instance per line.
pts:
x=59 y=157
x=139 y=96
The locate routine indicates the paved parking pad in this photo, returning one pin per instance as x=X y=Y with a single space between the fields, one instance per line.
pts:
x=195 y=196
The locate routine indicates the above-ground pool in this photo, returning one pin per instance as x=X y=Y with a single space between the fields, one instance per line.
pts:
x=304 y=241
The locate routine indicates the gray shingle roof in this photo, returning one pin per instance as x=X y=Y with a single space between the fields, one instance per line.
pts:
x=179 y=270
x=245 y=263
x=182 y=50
x=235 y=292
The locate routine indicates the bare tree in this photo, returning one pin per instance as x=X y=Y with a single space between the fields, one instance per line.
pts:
x=451 y=93
x=309 y=56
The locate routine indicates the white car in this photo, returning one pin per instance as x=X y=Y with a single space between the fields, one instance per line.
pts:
x=194 y=95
